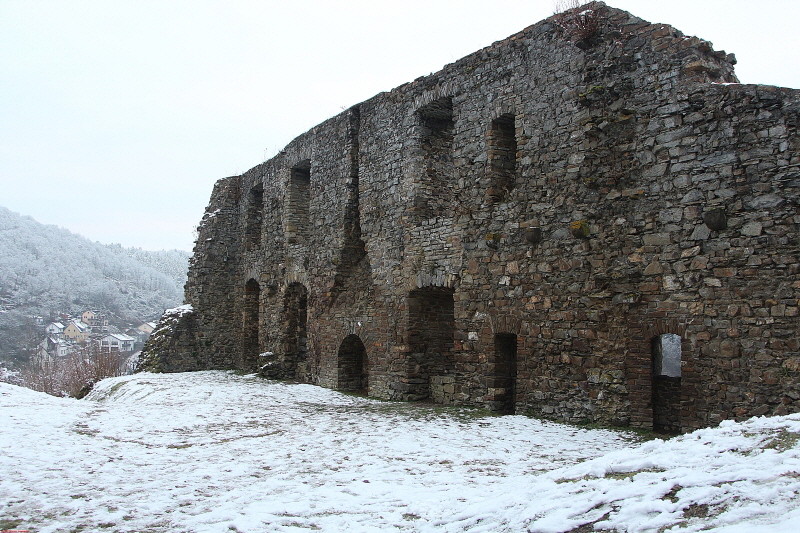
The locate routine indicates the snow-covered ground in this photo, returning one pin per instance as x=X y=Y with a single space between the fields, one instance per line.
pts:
x=217 y=452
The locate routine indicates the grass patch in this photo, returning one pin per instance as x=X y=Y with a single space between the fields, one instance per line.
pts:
x=313 y=527
x=632 y=473
x=612 y=475
x=114 y=389
x=785 y=440
x=589 y=528
x=696 y=510
x=422 y=410
x=637 y=434
x=672 y=495
x=9 y=523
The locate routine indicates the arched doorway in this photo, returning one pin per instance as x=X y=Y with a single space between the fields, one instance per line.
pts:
x=250 y=323
x=666 y=385
x=505 y=373
x=353 y=370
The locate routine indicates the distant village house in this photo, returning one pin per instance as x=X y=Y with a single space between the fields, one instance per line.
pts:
x=117 y=342
x=77 y=331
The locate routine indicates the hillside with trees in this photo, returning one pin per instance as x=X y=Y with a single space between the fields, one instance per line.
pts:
x=45 y=270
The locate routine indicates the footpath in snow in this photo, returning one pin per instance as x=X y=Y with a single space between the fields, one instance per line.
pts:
x=218 y=452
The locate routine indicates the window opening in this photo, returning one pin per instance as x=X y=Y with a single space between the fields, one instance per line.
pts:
x=502 y=157
x=255 y=216
x=434 y=194
x=251 y=323
x=299 y=200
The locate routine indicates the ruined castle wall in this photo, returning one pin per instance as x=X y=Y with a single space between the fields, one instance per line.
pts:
x=517 y=230
x=208 y=335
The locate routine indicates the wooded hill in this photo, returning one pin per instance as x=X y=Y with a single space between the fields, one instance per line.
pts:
x=46 y=270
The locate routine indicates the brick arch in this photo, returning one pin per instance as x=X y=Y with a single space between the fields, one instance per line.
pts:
x=252 y=273
x=352 y=327
x=295 y=277
x=494 y=324
x=442 y=279
x=442 y=90
x=658 y=327
x=503 y=107
x=504 y=324
x=291 y=160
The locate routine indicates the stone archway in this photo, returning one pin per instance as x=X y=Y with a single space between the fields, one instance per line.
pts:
x=352 y=365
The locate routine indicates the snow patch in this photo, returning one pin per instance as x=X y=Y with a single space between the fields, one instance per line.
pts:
x=211 y=451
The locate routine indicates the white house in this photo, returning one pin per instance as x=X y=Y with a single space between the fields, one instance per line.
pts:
x=117 y=342
x=51 y=348
x=54 y=328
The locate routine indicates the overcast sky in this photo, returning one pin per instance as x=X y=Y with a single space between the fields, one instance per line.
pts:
x=117 y=117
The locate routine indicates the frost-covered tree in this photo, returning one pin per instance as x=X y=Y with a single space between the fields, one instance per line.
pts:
x=46 y=268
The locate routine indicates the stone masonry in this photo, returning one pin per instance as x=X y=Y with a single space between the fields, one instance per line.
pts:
x=525 y=231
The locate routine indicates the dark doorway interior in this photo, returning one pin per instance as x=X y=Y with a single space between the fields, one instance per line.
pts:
x=666 y=351
x=431 y=328
x=296 y=313
x=505 y=373
x=250 y=323
x=352 y=363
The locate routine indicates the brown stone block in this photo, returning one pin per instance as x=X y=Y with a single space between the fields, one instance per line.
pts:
x=580 y=345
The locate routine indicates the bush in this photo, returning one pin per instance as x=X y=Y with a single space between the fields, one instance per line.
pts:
x=580 y=22
x=75 y=374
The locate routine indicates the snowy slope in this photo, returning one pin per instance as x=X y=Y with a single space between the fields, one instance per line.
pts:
x=216 y=452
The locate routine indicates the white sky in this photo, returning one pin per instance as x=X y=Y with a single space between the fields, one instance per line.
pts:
x=117 y=117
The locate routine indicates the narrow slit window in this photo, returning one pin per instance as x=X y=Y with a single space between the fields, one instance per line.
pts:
x=502 y=157
x=299 y=197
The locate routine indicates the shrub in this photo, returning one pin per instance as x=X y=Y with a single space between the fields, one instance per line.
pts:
x=75 y=374
x=581 y=22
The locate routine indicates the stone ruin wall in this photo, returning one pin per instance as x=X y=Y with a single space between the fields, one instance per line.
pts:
x=514 y=231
